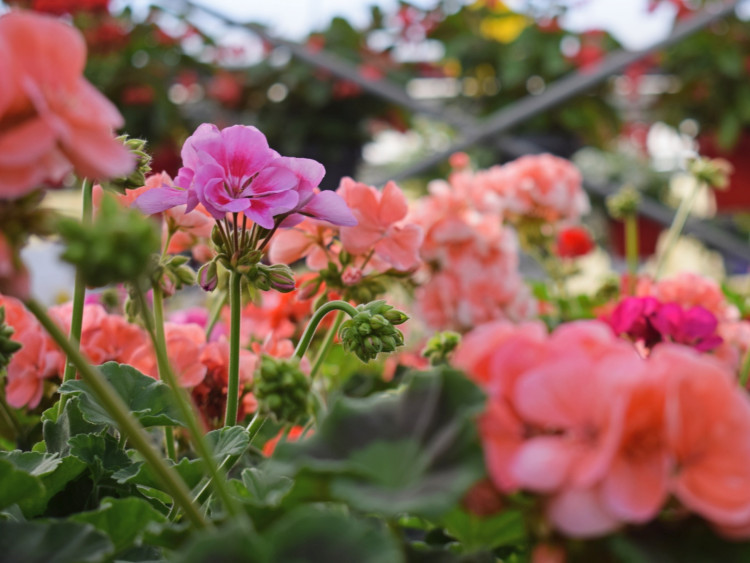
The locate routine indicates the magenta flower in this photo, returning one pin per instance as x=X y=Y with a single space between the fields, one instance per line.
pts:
x=648 y=321
x=235 y=171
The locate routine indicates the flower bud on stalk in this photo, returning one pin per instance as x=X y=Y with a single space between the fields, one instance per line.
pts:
x=137 y=178
x=8 y=346
x=282 y=390
x=712 y=172
x=372 y=331
x=624 y=203
x=440 y=347
x=208 y=276
x=116 y=247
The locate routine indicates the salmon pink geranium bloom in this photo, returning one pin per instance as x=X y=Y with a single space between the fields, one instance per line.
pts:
x=51 y=118
x=380 y=224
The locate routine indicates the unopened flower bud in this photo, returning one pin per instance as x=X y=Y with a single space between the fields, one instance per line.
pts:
x=351 y=275
x=281 y=277
x=712 y=172
x=208 y=277
x=440 y=347
x=624 y=203
x=8 y=346
x=137 y=178
x=282 y=390
x=116 y=247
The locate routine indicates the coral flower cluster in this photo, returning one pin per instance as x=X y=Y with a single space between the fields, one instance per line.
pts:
x=605 y=437
x=199 y=364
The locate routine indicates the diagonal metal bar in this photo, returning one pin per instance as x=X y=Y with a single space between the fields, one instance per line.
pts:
x=565 y=88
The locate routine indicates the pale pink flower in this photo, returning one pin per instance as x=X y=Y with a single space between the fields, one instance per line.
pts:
x=51 y=118
x=381 y=224
x=539 y=187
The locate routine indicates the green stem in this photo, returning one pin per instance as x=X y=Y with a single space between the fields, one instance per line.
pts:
x=183 y=401
x=169 y=441
x=235 y=310
x=326 y=345
x=118 y=410
x=79 y=292
x=675 y=230
x=323 y=310
x=631 y=248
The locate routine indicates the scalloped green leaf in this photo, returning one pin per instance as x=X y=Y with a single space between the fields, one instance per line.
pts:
x=17 y=485
x=414 y=451
x=100 y=452
x=58 y=432
x=151 y=401
x=122 y=520
x=228 y=441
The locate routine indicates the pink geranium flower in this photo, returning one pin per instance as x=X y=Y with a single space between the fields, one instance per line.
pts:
x=51 y=118
x=381 y=225
x=233 y=170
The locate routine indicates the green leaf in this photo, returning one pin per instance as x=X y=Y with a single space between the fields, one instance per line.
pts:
x=33 y=463
x=477 y=533
x=413 y=451
x=228 y=441
x=123 y=520
x=148 y=399
x=57 y=433
x=265 y=487
x=17 y=485
x=52 y=542
x=191 y=470
x=312 y=534
x=101 y=452
x=308 y=534
x=66 y=471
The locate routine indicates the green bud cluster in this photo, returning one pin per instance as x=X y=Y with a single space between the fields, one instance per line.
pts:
x=282 y=390
x=137 y=178
x=440 y=347
x=175 y=273
x=624 y=203
x=116 y=247
x=8 y=346
x=372 y=330
x=712 y=172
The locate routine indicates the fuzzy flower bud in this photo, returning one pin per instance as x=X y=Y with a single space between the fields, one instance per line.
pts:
x=712 y=172
x=8 y=347
x=624 y=203
x=440 y=347
x=137 y=178
x=282 y=390
x=116 y=247
x=372 y=331
x=208 y=276
x=278 y=276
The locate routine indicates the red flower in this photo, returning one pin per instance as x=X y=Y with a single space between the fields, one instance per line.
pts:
x=573 y=242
